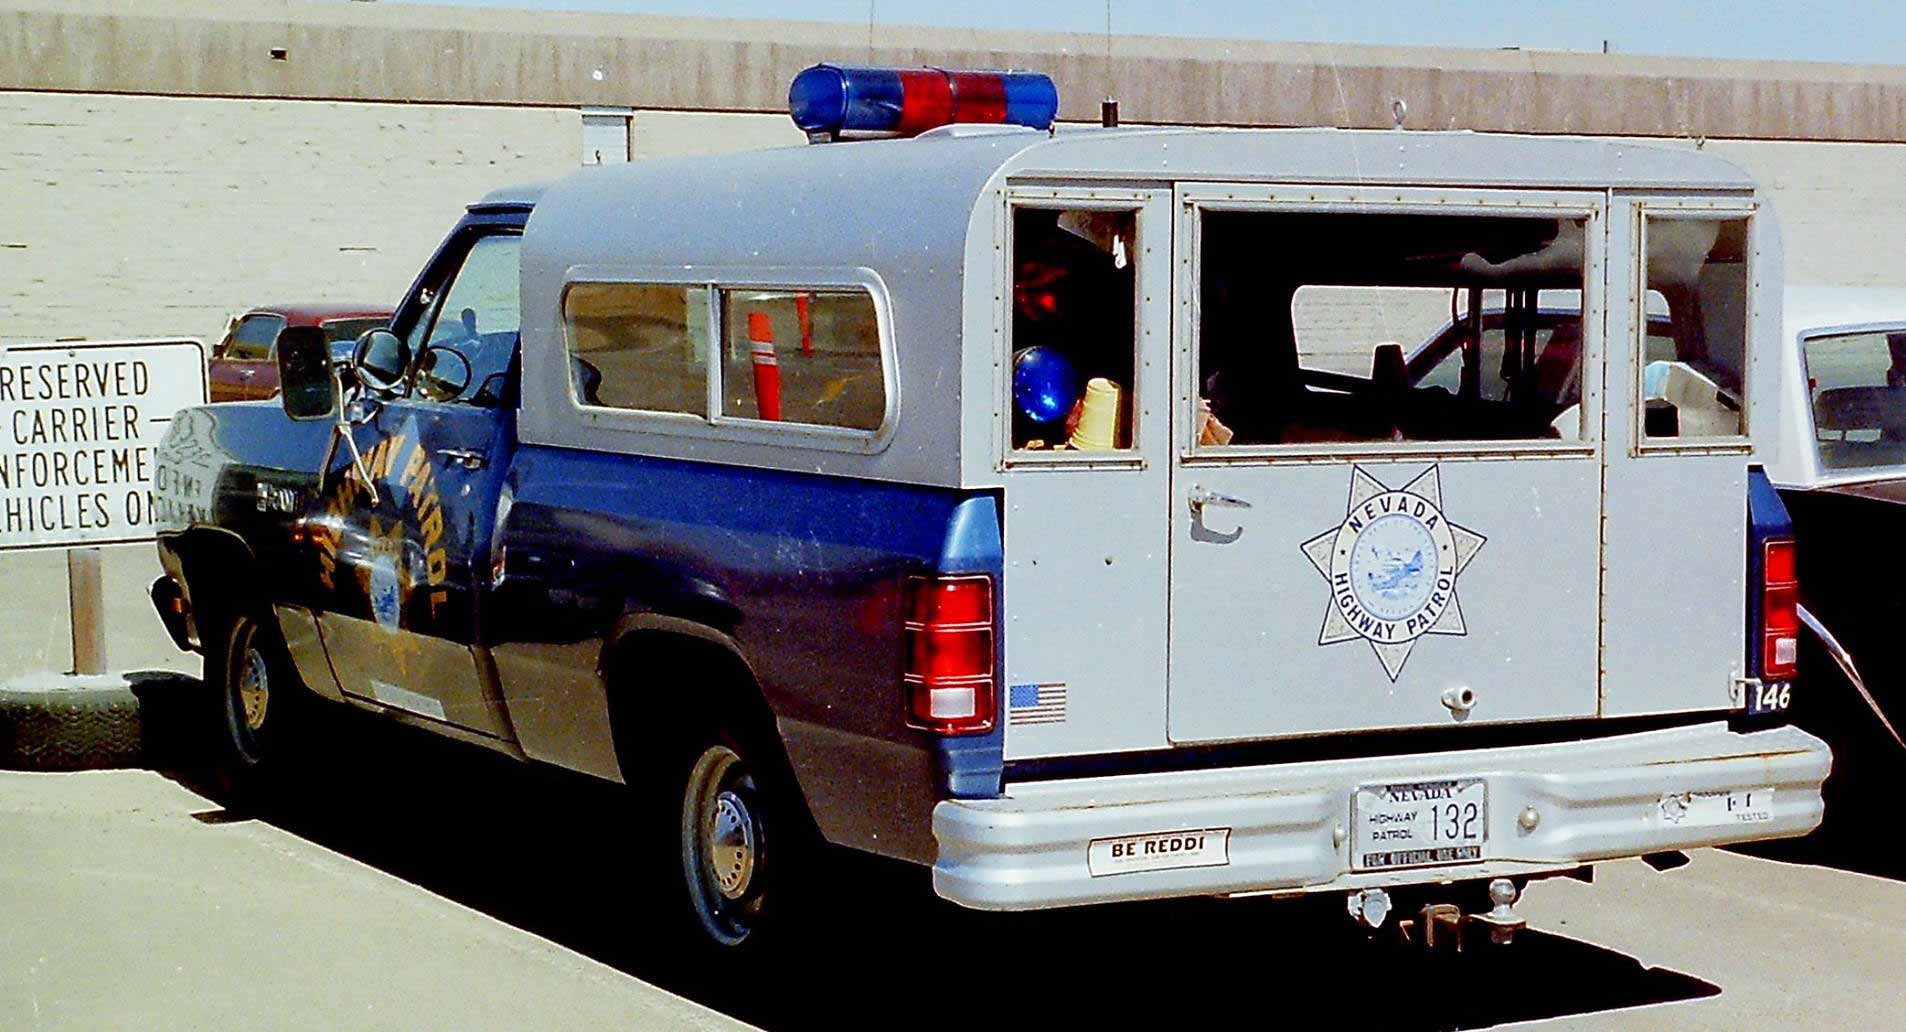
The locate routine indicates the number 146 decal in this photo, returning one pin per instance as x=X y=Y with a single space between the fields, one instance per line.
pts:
x=1773 y=697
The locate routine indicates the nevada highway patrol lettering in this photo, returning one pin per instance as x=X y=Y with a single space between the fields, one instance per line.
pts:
x=81 y=422
x=1392 y=566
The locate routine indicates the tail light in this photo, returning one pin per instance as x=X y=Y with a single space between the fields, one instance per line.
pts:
x=1779 y=611
x=949 y=678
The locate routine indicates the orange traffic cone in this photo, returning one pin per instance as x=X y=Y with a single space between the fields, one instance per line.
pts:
x=767 y=371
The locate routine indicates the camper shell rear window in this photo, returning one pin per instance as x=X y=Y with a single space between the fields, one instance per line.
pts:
x=1309 y=321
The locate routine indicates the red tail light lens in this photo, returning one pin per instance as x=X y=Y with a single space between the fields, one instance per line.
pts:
x=1779 y=612
x=949 y=677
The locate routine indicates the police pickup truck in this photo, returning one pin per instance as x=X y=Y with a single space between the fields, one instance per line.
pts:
x=1052 y=507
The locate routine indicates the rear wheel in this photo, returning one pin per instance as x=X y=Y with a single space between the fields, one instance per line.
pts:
x=741 y=848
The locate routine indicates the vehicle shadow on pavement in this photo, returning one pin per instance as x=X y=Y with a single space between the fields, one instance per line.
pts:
x=557 y=854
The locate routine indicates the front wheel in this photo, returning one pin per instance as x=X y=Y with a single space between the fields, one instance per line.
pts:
x=738 y=848
x=255 y=687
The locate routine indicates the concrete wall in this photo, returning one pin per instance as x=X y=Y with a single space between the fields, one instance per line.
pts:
x=1842 y=207
x=142 y=216
x=336 y=50
x=150 y=216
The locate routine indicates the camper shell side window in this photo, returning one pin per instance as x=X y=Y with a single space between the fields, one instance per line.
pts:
x=795 y=360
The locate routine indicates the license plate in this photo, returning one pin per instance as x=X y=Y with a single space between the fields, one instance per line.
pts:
x=1416 y=823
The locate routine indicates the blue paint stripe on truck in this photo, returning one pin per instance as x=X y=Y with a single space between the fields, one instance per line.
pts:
x=1766 y=518
x=805 y=571
x=971 y=766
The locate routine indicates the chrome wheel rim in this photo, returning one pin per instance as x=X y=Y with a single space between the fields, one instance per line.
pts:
x=730 y=849
x=722 y=846
x=254 y=689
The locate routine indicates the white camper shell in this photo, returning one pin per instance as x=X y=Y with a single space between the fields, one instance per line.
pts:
x=1280 y=613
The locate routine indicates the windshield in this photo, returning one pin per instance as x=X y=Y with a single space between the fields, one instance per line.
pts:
x=1858 y=385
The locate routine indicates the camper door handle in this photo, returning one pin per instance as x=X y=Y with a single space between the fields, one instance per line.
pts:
x=1200 y=498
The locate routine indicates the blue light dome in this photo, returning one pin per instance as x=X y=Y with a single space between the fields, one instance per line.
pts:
x=1045 y=384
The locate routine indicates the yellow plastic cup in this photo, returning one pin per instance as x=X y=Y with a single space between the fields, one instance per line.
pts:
x=1098 y=420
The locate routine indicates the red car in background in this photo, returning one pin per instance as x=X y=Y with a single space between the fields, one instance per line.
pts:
x=244 y=365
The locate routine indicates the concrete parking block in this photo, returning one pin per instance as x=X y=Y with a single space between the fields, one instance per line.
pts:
x=54 y=721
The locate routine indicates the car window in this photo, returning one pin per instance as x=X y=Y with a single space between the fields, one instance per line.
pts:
x=253 y=337
x=1448 y=373
x=1857 y=383
x=350 y=329
x=480 y=316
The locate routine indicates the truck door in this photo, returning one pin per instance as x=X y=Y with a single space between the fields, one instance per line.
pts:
x=1356 y=546
x=1086 y=330
x=409 y=562
x=1680 y=322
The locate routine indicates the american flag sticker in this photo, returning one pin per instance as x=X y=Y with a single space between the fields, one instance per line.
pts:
x=1036 y=703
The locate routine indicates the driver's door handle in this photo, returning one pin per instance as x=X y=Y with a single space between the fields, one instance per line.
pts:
x=466 y=457
x=1201 y=499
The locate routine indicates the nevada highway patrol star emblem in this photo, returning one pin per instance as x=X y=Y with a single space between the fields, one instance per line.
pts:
x=1392 y=566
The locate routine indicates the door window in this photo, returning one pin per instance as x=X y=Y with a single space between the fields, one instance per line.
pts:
x=1698 y=267
x=1326 y=328
x=480 y=316
x=253 y=337
x=1074 y=329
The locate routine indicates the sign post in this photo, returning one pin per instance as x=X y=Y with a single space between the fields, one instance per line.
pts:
x=88 y=608
x=79 y=422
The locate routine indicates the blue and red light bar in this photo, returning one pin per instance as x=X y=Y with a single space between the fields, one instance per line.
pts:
x=835 y=100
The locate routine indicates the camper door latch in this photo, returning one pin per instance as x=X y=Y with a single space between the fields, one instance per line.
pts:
x=1199 y=498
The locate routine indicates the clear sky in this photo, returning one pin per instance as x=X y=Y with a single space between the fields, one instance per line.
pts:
x=1861 y=31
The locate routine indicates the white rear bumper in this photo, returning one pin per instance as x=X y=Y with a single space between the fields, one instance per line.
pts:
x=1288 y=824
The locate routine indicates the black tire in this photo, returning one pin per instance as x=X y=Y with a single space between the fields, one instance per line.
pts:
x=255 y=689
x=745 y=849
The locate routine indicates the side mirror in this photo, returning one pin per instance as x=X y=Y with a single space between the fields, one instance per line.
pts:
x=306 y=387
x=443 y=374
x=381 y=359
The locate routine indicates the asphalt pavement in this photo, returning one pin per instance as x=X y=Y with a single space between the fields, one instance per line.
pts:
x=411 y=883
x=131 y=903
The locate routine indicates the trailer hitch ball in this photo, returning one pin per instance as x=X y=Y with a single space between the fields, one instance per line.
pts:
x=1369 y=907
x=1502 y=919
